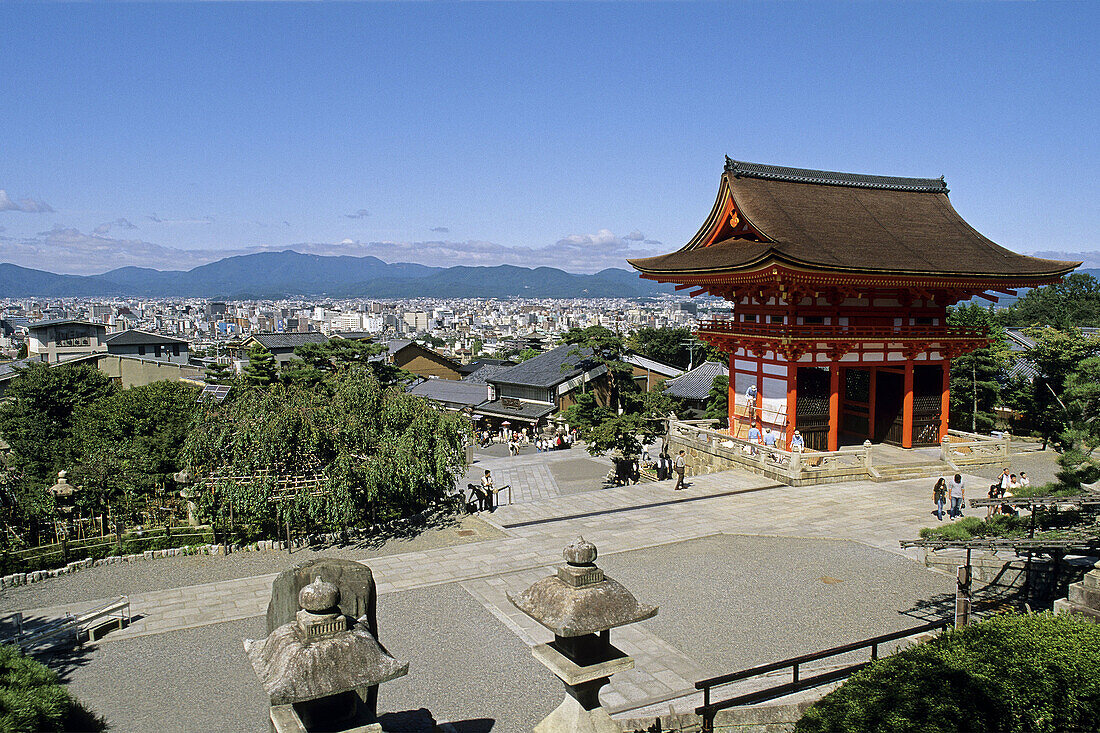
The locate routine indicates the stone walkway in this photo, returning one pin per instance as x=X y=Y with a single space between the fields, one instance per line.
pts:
x=617 y=520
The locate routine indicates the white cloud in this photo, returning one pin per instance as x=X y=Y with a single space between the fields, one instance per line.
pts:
x=103 y=229
x=204 y=220
x=441 y=230
x=69 y=250
x=635 y=236
x=27 y=205
x=360 y=214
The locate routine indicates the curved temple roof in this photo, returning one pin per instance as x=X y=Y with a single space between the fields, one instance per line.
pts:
x=841 y=222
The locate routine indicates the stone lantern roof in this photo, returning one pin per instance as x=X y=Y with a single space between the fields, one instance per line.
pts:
x=580 y=599
x=62 y=489
x=321 y=653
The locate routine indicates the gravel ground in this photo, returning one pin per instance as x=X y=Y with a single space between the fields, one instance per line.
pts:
x=465 y=668
x=731 y=602
x=175 y=572
x=182 y=681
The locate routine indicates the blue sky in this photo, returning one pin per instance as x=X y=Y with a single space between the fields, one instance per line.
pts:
x=574 y=135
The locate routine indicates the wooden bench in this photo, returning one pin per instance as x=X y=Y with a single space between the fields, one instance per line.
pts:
x=111 y=613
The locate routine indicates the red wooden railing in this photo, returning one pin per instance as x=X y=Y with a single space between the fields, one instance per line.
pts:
x=811 y=332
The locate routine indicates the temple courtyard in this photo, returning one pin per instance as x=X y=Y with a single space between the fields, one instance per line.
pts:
x=744 y=570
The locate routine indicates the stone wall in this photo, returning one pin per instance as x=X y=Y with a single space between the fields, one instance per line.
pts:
x=768 y=718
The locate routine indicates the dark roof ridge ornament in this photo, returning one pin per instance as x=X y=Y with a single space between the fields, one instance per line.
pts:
x=742 y=169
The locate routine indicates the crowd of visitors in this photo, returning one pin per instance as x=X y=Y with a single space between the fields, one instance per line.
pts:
x=516 y=440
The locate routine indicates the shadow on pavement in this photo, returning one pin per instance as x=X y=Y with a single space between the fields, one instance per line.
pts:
x=422 y=721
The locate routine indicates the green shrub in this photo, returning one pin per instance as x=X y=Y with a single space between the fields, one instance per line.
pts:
x=32 y=699
x=1038 y=673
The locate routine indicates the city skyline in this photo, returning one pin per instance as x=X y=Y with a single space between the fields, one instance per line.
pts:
x=572 y=136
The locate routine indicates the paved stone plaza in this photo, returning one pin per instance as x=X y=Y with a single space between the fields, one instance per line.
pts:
x=745 y=571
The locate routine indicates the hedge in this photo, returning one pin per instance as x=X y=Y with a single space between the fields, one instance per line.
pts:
x=1037 y=673
x=32 y=699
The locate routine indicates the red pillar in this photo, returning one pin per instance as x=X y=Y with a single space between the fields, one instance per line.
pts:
x=731 y=396
x=758 y=408
x=834 y=406
x=792 y=398
x=945 y=399
x=907 y=407
x=871 y=404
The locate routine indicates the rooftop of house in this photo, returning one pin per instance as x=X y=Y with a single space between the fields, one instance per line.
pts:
x=134 y=337
x=549 y=368
x=272 y=341
x=64 y=322
x=696 y=384
x=450 y=390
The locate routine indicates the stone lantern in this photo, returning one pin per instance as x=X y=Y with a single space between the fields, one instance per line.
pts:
x=312 y=667
x=63 y=496
x=187 y=493
x=62 y=492
x=580 y=605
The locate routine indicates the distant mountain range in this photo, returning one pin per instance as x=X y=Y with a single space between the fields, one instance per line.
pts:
x=287 y=274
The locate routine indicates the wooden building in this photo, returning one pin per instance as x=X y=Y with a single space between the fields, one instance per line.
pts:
x=840 y=284
x=422 y=361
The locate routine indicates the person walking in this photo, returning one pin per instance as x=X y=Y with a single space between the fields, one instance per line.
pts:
x=939 y=496
x=957 y=492
x=679 y=467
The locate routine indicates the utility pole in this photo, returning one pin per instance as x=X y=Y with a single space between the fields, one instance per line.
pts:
x=691 y=344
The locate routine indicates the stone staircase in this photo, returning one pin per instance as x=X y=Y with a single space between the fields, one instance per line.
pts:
x=902 y=471
x=1084 y=597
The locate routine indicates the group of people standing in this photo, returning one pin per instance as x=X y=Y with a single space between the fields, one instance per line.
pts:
x=955 y=491
x=667 y=466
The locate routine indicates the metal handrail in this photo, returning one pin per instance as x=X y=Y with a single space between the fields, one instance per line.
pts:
x=708 y=709
x=811 y=331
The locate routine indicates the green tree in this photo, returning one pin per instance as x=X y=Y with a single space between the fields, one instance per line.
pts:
x=33 y=700
x=1079 y=463
x=128 y=444
x=1072 y=303
x=719 y=398
x=525 y=354
x=1057 y=355
x=1037 y=673
x=383 y=451
x=603 y=346
x=603 y=430
x=261 y=369
x=668 y=345
x=35 y=419
x=315 y=362
x=22 y=351
x=977 y=378
x=219 y=373
x=477 y=346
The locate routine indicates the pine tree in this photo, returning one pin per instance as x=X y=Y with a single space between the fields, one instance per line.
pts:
x=218 y=373
x=261 y=369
